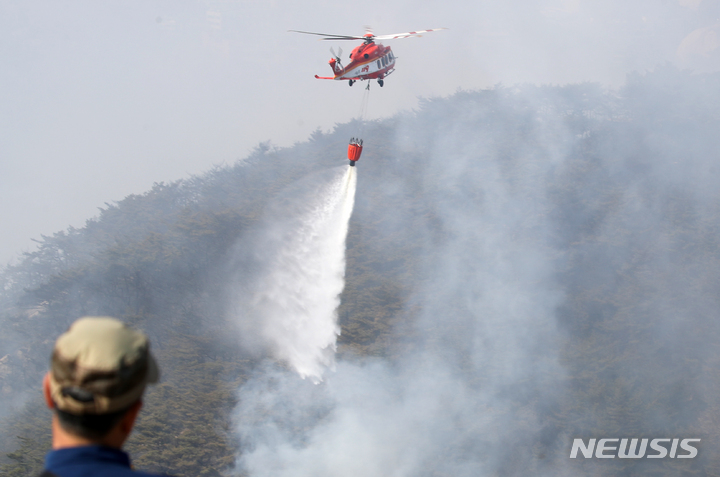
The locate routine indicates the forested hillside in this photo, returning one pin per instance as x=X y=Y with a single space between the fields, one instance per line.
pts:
x=525 y=266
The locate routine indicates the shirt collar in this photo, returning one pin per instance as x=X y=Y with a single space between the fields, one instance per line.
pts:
x=87 y=454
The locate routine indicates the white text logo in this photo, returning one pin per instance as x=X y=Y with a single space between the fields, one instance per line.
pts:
x=629 y=448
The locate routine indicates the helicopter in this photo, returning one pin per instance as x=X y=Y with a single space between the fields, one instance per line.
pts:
x=368 y=61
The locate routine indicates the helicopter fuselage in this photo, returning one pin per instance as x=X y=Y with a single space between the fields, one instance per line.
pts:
x=368 y=61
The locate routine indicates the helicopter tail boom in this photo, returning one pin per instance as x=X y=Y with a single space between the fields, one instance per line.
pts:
x=337 y=78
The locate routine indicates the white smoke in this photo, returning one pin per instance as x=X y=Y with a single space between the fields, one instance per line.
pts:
x=295 y=272
x=367 y=419
x=462 y=400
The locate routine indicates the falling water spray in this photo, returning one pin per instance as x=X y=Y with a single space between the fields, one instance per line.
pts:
x=290 y=303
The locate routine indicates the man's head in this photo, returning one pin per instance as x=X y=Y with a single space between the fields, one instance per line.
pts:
x=98 y=371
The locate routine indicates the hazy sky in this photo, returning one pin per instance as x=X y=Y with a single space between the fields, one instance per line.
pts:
x=99 y=100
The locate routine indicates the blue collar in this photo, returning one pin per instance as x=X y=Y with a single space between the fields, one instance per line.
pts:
x=78 y=460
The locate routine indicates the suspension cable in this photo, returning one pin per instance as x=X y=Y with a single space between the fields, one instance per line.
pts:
x=363 y=109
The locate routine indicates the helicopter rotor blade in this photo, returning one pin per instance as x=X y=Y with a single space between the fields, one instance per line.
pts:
x=337 y=57
x=406 y=34
x=369 y=36
x=329 y=36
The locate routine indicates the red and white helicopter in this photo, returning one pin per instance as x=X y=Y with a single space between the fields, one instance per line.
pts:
x=368 y=61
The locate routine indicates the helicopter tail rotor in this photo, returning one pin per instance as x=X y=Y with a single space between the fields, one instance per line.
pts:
x=339 y=54
x=337 y=57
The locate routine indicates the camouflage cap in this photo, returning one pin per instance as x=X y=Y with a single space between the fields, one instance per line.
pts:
x=99 y=366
